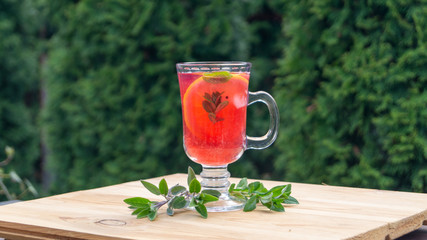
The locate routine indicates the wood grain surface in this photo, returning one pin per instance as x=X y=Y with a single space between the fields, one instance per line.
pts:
x=324 y=212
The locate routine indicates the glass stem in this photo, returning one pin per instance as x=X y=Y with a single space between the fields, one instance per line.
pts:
x=215 y=178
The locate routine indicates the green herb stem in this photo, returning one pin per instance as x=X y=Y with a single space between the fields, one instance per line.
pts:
x=178 y=197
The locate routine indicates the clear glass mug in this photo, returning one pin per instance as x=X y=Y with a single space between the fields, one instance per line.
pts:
x=214 y=100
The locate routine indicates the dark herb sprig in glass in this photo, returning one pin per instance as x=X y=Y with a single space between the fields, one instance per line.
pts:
x=176 y=197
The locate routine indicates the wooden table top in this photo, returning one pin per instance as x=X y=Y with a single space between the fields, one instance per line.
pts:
x=324 y=212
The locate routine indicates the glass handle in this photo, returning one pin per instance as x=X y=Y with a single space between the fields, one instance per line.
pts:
x=271 y=135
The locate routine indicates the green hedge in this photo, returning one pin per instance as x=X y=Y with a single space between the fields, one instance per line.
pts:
x=352 y=91
x=348 y=76
x=19 y=88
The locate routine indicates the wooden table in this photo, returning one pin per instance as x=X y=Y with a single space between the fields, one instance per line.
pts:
x=324 y=212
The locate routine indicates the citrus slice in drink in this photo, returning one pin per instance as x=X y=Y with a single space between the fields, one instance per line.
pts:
x=215 y=110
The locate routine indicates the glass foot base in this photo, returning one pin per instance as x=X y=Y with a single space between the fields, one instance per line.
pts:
x=225 y=204
x=216 y=178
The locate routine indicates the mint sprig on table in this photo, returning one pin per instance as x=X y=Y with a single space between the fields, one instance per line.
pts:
x=255 y=192
x=178 y=197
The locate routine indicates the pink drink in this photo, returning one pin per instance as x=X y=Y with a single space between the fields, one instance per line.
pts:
x=214 y=117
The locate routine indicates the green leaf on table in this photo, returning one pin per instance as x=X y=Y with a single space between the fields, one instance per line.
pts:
x=277 y=206
x=201 y=209
x=151 y=187
x=238 y=195
x=136 y=211
x=287 y=189
x=212 y=192
x=232 y=187
x=250 y=204
x=267 y=204
x=152 y=215
x=179 y=202
x=261 y=190
x=283 y=193
x=243 y=184
x=291 y=200
x=277 y=191
x=163 y=187
x=195 y=186
x=207 y=198
x=139 y=210
x=143 y=212
x=177 y=189
x=137 y=201
x=266 y=198
x=169 y=211
x=192 y=203
x=255 y=186
x=191 y=175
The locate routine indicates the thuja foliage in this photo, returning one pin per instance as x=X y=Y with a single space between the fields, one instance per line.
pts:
x=352 y=92
x=113 y=110
x=19 y=83
x=350 y=87
x=8 y=178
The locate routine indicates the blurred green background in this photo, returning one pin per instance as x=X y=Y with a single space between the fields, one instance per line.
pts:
x=89 y=95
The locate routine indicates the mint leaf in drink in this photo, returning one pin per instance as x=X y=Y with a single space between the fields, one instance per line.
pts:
x=209 y=106
x=217 y=77
x=213 y=105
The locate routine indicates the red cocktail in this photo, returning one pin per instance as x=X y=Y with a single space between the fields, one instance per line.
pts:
x=214 y=116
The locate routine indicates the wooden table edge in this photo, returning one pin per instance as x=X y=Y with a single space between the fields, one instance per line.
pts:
x=8 y=231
